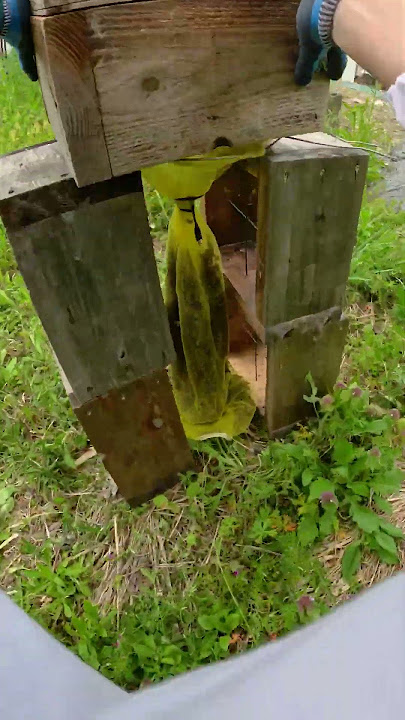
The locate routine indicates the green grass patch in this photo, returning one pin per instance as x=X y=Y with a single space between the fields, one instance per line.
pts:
x=378 y=267
x=23 y=120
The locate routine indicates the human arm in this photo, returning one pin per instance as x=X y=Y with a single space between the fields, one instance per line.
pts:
x=372 y=32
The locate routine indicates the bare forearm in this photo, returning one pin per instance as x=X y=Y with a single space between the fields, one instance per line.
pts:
x=372 y=32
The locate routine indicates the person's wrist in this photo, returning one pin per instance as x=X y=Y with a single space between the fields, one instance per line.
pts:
x=314 y=53
x=326 y=16
x=372 y=33
x=5 y=18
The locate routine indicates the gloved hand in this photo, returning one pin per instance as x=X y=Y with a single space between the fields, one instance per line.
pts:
x=15 y=28
x=314 y=53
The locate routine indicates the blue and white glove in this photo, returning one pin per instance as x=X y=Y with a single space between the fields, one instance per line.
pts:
x=15 y=28
x=317 y=49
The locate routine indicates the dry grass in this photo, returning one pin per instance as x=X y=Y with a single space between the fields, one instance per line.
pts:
x=372 y=570
x=126 y=546
x=122 y=547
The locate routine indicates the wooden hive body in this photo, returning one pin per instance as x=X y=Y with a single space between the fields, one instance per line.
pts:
x=131 y=84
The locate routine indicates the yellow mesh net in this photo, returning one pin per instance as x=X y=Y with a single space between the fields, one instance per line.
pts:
x=212 y=400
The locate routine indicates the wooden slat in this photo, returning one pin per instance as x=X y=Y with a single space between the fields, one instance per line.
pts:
x=68 y=87
x=247 y=353
x=309 y=203
x=312 y=344
x=310 y=192
x=138 y=432
x=234 y=262
x=36 y=184
x=92 y=277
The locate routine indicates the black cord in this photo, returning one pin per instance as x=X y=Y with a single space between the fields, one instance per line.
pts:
x=192 y=200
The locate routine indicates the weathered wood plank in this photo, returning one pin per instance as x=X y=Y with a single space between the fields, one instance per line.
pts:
x=171 y=78
x=247 y=353
x=241 y=332
x=312 y=344
x=92 y=277
x=309 y=203
x=55 y=7
x=197 y=71
x=87 y=258
x=235 y=261
x=35 y=167
x=67 y=82
x=138 y=432
x=36 y=184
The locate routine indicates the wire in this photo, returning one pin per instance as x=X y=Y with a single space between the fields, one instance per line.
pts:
x=243 y=214
x=338 y=147
x=203 y=158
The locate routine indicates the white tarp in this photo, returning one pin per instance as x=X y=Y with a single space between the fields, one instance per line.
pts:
x=347 y=666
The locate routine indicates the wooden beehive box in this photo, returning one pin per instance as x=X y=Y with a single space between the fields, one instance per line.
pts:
x=131 y=84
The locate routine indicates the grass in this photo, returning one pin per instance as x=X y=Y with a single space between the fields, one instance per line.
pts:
x=235 y=554
x=23 y=120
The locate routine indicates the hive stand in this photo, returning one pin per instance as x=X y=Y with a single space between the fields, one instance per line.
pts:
x=287 y=227
x=132 y=84
x=87 y=258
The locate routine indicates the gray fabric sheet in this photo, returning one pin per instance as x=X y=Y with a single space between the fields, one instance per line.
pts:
x=347 y=666
x=40 y=679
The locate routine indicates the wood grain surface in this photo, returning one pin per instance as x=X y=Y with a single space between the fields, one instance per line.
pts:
x=55 y=7
x=87 y=259
x=68 y=87
x=138 y=432
x=134 y=84
x=92 y=277
x=36 y=184
x=312 y=344
x=235 y=261
x=310 y=193
x=174 y=76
